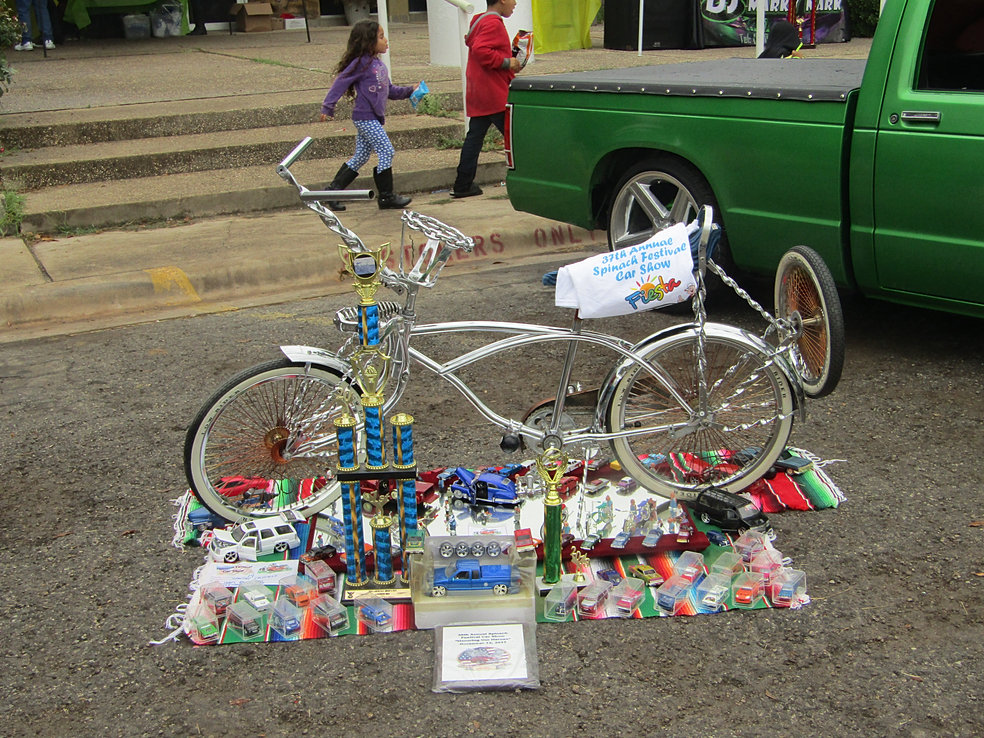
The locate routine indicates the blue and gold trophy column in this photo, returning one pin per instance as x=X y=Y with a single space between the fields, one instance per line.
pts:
x=403 y=461
x=355 y=567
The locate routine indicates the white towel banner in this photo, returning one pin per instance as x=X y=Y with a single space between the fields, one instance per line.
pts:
x=657 y=272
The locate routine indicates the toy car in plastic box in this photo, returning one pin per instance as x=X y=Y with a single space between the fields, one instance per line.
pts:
x=300 y=594
x=328 y=614
x=244 y=618
x=256 y=595
x=322 y=575
x=469 y=575
x=591 y=601
x=374 y=616
x=627 y=596
x=217 y=597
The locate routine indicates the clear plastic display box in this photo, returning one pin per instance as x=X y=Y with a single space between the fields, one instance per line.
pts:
x=374 y=612
x=329 y=614
x=593 y=599
x=628 y=595
x=747 y=588
x=473 y=579
x=671 y=596
x=560 y=602
x=286 y=618
x=713 y=591
x=787 y=587
x=248 y=622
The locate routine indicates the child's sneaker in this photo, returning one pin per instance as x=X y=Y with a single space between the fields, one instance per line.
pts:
x=49 y=44
x=24 y=46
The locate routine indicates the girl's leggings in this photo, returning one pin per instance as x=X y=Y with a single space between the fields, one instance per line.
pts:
x=370 y=137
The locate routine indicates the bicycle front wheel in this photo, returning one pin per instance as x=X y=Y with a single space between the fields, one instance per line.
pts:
x=748 y=418
x=265 y=442
x=805 y=289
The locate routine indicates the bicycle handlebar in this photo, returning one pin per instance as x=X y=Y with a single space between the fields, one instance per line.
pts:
x=336 y=195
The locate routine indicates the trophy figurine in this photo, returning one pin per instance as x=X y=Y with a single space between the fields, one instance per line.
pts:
x=579 y=560
x=551 y=465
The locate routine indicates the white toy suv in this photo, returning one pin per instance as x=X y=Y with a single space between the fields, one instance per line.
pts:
x=254 y=538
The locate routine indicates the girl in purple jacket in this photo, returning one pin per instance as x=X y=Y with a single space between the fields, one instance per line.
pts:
x=361 y=74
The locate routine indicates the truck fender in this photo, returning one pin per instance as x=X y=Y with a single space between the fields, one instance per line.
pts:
x=721 y=330
x=318 y=357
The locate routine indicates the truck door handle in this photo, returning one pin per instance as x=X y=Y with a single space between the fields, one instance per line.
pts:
x=920 y=116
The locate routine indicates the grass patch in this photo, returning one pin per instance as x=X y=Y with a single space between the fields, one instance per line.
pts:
x=433 y=105
x=493 y=141
x=13 y=213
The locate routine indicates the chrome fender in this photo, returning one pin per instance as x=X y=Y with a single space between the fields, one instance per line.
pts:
x=719 y=330
x=317 y=357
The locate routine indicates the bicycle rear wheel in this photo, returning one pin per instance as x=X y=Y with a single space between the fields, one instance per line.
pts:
x=805 y=287
x=265 y=442
x=748 y=421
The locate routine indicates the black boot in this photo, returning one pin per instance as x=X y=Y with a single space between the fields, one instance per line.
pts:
x=387 y=199
x=343 y=178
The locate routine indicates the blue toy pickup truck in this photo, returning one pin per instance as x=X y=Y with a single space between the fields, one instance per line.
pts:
x=468 y=575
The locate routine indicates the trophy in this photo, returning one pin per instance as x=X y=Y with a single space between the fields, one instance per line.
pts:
x=552 y=465
x=371 y=368
x=579 y=559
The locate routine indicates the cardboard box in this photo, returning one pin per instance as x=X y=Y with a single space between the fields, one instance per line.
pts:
x=276 y=24
x=253 y=17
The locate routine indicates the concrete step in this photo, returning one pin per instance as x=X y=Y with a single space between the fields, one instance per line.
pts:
x=28 y=131
x=115 y=160
x=245 y=189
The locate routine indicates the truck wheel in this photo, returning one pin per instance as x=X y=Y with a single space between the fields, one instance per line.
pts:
x=230 y=557
x=500 y=589
x=705 y=518
x=478 y=549
x=446 y=550
x=438 y=591
x=653 y=195
x=281 y=547
x=493 y=549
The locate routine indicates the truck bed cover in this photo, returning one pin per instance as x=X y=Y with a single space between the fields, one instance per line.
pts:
x=790 y=79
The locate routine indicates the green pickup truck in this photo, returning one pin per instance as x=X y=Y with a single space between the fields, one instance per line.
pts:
x=877 y=165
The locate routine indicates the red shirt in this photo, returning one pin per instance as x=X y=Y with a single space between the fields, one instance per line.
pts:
x=486 y=82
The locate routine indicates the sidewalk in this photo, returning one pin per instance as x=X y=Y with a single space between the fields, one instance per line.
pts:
x=92 y=281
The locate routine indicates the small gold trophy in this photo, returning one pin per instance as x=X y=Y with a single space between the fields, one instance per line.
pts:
x=580 y=560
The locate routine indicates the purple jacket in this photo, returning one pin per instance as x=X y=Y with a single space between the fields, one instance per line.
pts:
x=372 y=89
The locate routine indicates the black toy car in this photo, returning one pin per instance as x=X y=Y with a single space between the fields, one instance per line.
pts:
x=729 y=511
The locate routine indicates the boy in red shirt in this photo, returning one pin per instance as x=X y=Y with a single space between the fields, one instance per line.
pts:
x=491 y=67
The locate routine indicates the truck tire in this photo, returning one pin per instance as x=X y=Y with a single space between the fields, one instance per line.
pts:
x=438 y=591
x=654 y=194
x=500 y=589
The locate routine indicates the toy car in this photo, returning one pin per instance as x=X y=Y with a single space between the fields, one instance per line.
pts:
x=595 y=488
x=620 y=540
x=524 y=540
x=373 y=615
x=322 y=575
x=593 y=598
x=244 y=618
x=746 y=594
x=717 y=538
x=326 y=613
x=203 y=519
x=714 y=597
x=728 y=511
x=610 y=575
x=318 y=553
x=628 y=601
x=626 y=485
x=256 y=595
x=590 y=541
x=256 y=537
x=652 y=537
x=300 y=595
x=647 y=574
x=486 y=488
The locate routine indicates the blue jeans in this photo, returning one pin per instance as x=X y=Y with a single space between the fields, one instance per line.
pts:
x=24 y=16
x=478 y=126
